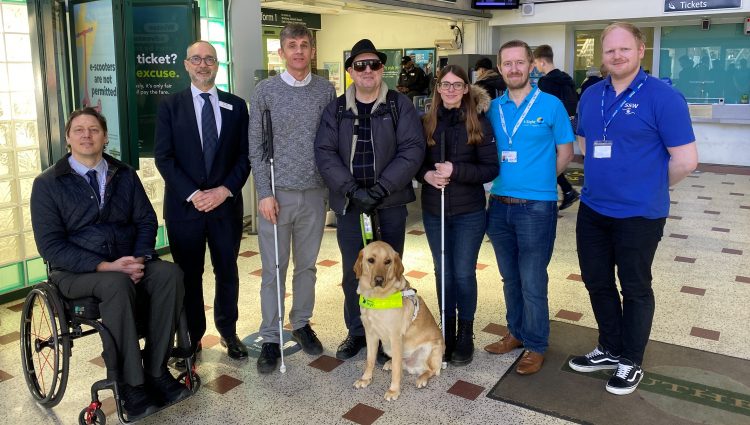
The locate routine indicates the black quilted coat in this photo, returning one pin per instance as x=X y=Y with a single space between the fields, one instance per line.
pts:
x=73 y=234
x=473 y=165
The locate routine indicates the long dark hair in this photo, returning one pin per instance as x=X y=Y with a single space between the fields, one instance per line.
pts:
x=468 y=109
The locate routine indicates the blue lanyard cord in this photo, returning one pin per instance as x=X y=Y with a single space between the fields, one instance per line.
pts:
x=520 y=119
x=624 y=101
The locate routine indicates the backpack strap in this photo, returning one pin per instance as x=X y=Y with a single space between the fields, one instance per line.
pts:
x=340 y=106
x=392 y=98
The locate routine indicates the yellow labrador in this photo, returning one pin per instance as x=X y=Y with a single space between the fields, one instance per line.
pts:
x=403 y=323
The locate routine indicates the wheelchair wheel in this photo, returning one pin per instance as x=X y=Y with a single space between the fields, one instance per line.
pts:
x=192 y=384
x=90 y=417
x=45 y=345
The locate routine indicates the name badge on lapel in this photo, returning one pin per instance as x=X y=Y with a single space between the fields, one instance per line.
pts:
x=225 y=105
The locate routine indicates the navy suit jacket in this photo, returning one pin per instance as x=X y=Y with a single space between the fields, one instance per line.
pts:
x=179 y=156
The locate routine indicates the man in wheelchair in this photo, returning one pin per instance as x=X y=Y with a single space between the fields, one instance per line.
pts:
x=96 y=228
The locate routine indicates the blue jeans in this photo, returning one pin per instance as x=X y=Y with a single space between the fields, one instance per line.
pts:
x=349 y=236
x=628 y=245
x=463 y=238
x=523 y=236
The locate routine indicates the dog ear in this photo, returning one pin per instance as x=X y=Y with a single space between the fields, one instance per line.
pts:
x=358 y=264
x=398 y=266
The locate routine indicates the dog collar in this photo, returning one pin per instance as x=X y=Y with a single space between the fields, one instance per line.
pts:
x=395 y=300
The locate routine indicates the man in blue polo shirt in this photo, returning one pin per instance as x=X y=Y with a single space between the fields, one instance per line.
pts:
x=636 y=134
x=534 y=141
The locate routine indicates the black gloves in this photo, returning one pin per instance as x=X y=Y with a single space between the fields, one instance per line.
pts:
x=378 y=192
x=367 y=200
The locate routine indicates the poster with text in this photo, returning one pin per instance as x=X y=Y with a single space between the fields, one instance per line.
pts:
x=96 y=66
x=161 y=36
x=334 y=74
x=424 y=58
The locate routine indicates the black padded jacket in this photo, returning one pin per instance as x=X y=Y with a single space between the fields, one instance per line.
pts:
x=70 y=230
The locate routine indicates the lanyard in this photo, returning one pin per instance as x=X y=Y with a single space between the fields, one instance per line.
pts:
x=520 y=120
x=624 y=101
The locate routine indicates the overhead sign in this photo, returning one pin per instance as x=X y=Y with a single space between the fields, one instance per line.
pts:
x=279 y=18
x=690 y=5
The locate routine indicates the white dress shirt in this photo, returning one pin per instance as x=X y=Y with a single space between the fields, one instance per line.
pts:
x=287 y=77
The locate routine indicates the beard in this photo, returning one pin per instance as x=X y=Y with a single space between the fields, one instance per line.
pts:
x=517 y=83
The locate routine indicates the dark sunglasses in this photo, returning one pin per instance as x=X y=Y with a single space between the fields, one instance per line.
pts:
x=374 y=64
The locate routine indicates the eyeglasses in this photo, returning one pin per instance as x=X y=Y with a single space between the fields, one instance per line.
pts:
x=196 y=60
x=374 y=64
x=456 y=86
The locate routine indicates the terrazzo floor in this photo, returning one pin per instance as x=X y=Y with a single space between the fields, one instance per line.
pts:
x=701 y=281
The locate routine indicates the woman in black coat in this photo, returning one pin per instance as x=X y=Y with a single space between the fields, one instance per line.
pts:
x=461 y=155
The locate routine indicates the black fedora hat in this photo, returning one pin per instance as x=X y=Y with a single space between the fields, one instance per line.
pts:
x=364 y=46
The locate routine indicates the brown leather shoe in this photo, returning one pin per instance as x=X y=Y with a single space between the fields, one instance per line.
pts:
x=530 y=363
x=506 y=344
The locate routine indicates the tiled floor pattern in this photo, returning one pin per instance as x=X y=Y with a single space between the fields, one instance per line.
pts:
x=701 y=281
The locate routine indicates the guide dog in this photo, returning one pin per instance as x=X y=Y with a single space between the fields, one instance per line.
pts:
x=393 y=314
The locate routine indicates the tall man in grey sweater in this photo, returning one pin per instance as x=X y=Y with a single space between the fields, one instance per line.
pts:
x=295 y=99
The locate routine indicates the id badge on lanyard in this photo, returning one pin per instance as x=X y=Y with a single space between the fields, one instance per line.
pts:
x=603 y=149
x=511 y=155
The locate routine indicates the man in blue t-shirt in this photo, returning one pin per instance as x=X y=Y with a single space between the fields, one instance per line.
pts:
x=636 y=134
x=534 y=141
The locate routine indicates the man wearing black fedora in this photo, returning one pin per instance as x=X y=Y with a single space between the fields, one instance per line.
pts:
x=368 y=148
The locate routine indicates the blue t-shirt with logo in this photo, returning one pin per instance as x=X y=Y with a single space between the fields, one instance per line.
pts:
x=634 y=181
x=533 y=175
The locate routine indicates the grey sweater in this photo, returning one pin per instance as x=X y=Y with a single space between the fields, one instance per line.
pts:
x=295 y=116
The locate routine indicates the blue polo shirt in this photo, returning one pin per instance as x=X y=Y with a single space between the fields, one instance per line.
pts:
x=534 y=174
x=634 y=182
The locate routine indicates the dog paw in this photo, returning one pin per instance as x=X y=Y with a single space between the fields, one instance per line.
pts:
x=422 y=382
x=391 y=395
x=387 y=365
x=362 y=383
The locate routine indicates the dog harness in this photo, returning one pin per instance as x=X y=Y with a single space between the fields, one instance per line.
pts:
x=395 y=300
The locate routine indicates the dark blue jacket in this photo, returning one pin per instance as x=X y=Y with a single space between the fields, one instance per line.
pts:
x=70 y=230
x=398 y=152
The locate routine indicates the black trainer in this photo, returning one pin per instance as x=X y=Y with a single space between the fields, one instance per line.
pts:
x=350 y=346
x=167 y=388
x=626 y=378
x=269 y=357
x=569 y=198
x=136 y=401
x=308 y=340
x=596 y=360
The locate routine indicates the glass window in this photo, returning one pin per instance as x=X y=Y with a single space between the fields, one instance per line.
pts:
x=707 y=66
x=589 y=52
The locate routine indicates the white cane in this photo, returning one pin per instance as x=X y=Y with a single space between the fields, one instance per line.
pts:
x=268 y=135
x=442 y=245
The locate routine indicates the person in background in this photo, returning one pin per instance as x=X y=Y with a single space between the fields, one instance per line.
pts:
x=457 y=122
x=412 y=80
x=488 y=78
x=561 y=85
x=593 y=76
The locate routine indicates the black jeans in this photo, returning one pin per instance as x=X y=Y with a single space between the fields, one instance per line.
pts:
x=628 y=244
x=349 y=236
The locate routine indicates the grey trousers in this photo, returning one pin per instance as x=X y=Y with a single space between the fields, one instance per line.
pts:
x=300 y=225
x=158 y=297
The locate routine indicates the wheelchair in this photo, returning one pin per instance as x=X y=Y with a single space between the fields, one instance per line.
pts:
x=50 y=324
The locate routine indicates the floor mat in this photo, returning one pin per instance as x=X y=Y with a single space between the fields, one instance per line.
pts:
x=681 y=385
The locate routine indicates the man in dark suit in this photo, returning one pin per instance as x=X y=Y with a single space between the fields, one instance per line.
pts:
x=201 y=152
